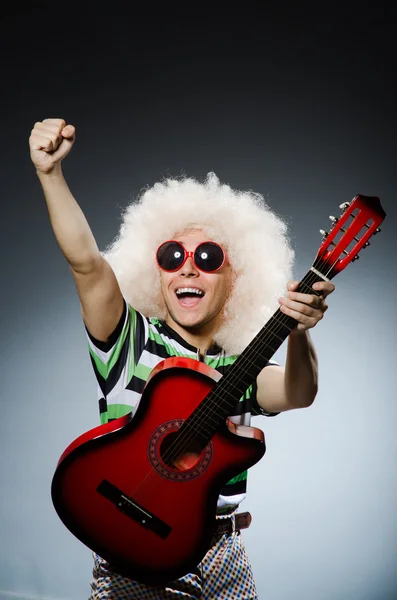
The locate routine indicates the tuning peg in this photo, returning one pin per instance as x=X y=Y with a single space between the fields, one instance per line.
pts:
x=324 y=233
x=355 y=258
x=378 y=230
x=344 y=206
x=366 y=244
x=333 y=219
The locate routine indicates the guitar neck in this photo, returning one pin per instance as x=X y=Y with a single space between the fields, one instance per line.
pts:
x=223 y=397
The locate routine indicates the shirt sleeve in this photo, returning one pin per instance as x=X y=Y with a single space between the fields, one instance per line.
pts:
x=113 y=363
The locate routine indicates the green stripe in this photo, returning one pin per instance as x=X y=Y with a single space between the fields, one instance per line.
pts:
x=220 y=362
x=105 y=368
x=115 y=411
x=241 y=477
x=142 y=372
x=155 y=337
x=248 y=393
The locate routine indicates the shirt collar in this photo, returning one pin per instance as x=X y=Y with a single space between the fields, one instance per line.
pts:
x=212 y=351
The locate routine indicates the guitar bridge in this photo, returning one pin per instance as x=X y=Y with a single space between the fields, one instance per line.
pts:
x=133 y=510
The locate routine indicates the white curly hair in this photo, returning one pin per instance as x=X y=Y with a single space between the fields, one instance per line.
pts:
x=254 y=237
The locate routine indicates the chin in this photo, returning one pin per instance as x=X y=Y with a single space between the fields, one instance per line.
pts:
x=189 y=321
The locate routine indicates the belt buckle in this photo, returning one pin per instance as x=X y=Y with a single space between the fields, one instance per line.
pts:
x=242 y=520
x=232 y=523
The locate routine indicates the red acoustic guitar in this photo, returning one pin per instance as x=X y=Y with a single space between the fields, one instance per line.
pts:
x=142 y=492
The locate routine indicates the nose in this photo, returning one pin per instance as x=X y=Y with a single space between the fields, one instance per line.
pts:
x=189 y=269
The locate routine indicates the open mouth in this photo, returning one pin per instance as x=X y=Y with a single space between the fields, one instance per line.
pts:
x=189 y=297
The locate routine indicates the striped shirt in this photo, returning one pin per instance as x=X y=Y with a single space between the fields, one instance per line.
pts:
x=123 y=364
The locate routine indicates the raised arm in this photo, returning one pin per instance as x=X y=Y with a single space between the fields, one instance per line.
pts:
x=100 y=296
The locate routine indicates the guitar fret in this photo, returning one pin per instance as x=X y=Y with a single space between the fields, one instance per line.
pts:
x=323 y=277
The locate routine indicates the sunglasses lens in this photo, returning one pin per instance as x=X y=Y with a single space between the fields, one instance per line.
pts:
x=170 y=256
x=209 y=256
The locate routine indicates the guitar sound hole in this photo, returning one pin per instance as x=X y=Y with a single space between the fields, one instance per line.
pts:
x=187 y=459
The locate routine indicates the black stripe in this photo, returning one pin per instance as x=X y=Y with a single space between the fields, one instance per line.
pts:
x=139 y=338
x=136 y=384
x=103 y=406
x=157 y=349
x=240 y=487
x=115 y=372
x=112 y=339
x=108 y=384
x=101 y=381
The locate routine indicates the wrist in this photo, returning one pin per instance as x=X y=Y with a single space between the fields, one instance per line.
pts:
x=299 y=333
x=55 y=174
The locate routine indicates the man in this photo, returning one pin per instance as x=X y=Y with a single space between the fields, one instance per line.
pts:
x=196 y=271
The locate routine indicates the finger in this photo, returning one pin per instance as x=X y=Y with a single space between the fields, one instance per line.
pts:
x=50 y=131
x=299 y=307
x=64 y=149
x=48 y=128
x=40 y=142
x=324 y=287
x=309 y=299
x=68 y=132
x=292 y=285
x=60 y=123
x=307 y=321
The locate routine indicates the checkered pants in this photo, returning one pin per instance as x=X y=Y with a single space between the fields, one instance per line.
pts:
x=224 y=573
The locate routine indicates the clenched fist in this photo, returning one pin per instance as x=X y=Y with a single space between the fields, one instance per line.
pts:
x=50 y=141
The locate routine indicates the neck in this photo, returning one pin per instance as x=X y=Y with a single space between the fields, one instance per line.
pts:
x=201 y=337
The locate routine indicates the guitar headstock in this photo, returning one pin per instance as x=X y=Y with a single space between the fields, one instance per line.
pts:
x=350 y=232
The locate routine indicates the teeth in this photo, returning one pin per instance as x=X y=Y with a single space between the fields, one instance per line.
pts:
x=190 y=291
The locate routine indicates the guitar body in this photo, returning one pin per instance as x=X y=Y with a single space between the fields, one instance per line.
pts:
x=115 y=490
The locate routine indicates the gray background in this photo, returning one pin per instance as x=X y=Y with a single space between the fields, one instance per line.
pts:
x=295 y=103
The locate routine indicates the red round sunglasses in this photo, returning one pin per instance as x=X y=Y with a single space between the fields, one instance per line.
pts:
x=208 y=256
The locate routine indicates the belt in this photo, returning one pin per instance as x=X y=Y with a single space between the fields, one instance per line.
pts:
x=233 y=523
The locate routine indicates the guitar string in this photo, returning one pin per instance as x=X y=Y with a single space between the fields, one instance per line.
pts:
x=212 y=408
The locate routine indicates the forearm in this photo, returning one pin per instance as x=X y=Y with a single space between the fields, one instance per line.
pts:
x=69 y=224
x=301 y=370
